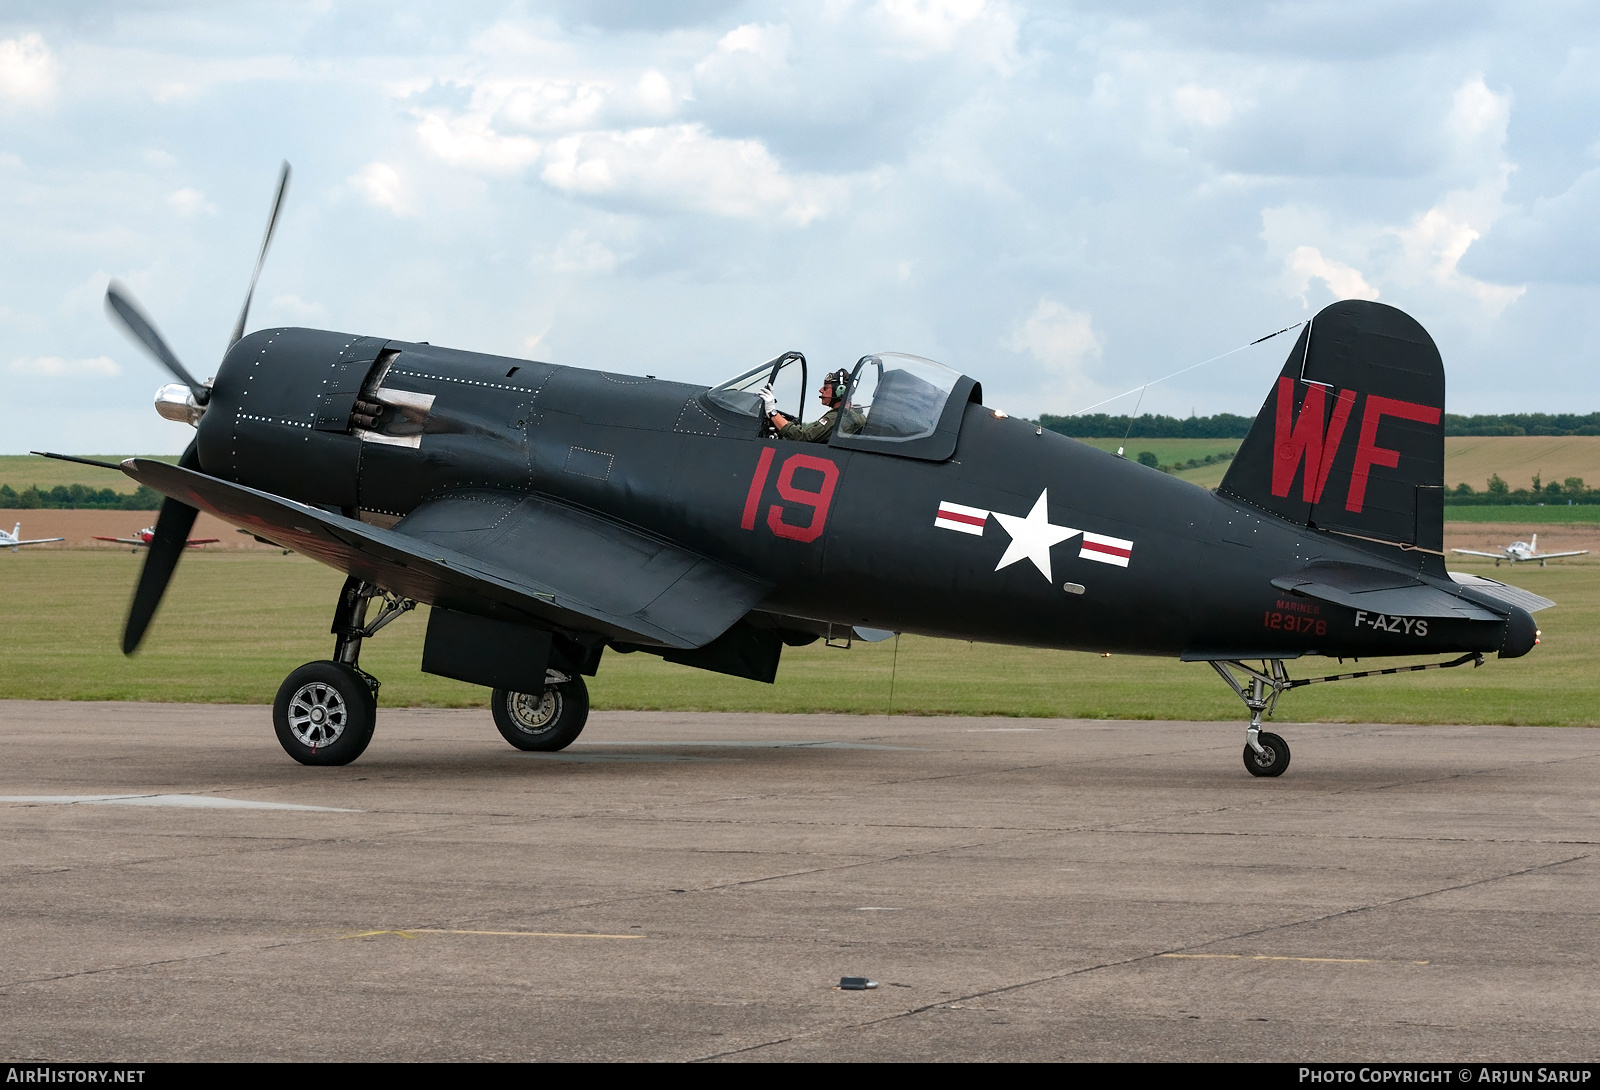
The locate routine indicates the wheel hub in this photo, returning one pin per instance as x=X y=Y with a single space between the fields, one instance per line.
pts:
x=317 y=715
x=535 y=713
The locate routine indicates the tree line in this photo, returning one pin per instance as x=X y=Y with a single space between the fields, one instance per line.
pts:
x=1499 y=492
x=72 y=496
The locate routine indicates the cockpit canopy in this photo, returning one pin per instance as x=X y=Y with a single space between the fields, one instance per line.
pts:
x=896 y=403
x=896 y=397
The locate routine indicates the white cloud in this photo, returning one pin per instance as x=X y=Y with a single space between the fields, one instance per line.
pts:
x=1478 y=115
x=469 y=140
x=27 y=70
x=188 y=202
x=544 y=106
x=578 y=253
x=923 y=28
x=751 y=60
x=1204 y=106
x=1307 y=263
x=768 y=44
x=1064 y=340
x=1425 y=249
x=655 y=96
x=56 y=367
x=685 y=167
x=383 y=187
x=1057 y=336
x=1435 y=241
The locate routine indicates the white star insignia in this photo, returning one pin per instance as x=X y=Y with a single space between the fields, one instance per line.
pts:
x=1032 y=537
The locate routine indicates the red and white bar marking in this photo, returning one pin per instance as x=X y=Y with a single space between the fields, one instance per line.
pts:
x=953 y=516
x=1107 y=550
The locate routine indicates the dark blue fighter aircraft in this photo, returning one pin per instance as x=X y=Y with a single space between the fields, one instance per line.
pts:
x=550 y=513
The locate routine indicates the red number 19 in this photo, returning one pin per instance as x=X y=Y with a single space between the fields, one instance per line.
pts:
x=790 y=492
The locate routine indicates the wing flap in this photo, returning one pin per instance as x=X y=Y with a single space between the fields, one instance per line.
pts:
x=491 y=554
x=1356 y=586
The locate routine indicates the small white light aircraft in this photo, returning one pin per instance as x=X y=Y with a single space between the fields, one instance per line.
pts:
x=1521 y=550
x=13 y=540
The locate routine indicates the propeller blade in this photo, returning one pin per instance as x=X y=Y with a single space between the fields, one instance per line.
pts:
x=120 y=302
x=272 y=224
x=171 y=538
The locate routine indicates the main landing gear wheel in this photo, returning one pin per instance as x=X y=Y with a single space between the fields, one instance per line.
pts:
x=324 y=714
x=545 y=721
x=1273 y=758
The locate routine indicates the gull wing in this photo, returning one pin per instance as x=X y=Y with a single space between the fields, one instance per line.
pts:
x=498 y=554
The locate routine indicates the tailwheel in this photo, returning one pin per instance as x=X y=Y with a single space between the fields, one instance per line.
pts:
x=544 y=721
x=325 y=713
x=1272 y=759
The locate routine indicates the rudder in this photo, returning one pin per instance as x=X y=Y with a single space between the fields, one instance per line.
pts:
x=1351 y=438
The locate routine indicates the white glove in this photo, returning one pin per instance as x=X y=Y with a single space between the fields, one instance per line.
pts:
x=769 y=403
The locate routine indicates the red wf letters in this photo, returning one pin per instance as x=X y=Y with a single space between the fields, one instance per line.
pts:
x=1306 y=440
x=1301 y=439
x=1368 y=453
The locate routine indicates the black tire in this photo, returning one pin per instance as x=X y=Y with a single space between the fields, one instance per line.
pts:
x=324 y=714
x=545 y=721
x=1273 y=762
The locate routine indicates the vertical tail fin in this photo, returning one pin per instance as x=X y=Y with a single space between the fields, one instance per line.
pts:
x=1533 y=546
x=1351 y=438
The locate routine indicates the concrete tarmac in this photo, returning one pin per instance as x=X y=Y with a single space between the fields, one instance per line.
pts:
x=693 y=886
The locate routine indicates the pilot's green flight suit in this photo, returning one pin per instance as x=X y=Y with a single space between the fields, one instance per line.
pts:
x=815 y=432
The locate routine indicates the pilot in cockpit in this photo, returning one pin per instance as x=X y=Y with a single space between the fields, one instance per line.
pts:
x=832 y=394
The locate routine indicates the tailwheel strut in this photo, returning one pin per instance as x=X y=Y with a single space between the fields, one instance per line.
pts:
x=1266 y=754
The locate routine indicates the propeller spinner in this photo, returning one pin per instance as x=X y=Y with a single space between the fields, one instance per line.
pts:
x=183 y=400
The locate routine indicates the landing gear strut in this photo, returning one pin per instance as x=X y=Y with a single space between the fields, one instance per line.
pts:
x=1266 y=754
x=325 y=711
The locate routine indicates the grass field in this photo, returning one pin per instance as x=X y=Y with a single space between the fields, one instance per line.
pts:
x=1173 y=451
x=22 y=471
x=1551 y=515
x=234 y=624
x=1473 y=459
x=1517 y=458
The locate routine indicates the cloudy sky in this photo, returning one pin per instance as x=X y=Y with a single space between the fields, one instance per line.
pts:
x=1064 y=200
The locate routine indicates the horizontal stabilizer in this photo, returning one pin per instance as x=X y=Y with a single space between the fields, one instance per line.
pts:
x=497 y=555
x=1503 y=592
x=1356 y=586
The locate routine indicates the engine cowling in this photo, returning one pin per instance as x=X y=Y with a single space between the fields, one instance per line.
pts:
x=280 y=414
